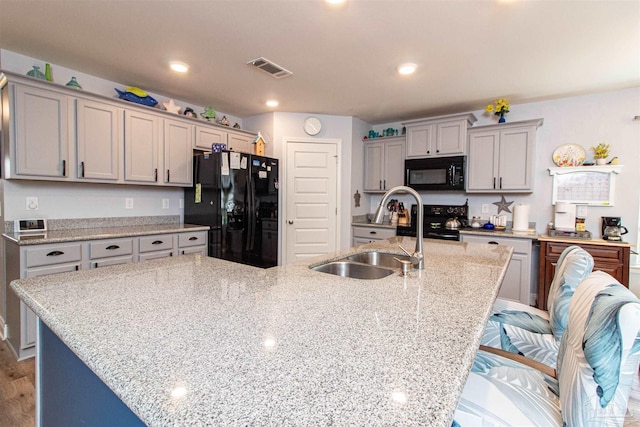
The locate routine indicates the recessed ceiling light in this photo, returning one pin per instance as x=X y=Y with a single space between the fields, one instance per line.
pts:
x=178 y=66
x=335 y=1
x=406 y=69
x=272 y=103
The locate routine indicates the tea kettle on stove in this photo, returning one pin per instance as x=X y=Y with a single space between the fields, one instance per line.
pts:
x=452 y=224
x=612 y=229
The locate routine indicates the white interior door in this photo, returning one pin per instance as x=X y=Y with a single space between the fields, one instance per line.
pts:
x=311 y=220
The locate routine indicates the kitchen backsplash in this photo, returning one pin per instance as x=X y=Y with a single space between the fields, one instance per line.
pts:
x=82 y=223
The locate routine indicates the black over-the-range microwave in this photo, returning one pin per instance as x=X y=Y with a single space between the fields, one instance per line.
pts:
x=435 y=174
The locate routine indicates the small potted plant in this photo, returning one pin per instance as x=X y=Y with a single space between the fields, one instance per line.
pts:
x=600 y=153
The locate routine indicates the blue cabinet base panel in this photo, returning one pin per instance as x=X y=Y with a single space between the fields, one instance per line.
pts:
x=69 y=393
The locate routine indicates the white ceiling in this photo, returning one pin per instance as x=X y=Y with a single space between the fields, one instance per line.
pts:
x=343 y=59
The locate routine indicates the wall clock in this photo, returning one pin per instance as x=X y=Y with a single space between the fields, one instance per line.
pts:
x=312 y=125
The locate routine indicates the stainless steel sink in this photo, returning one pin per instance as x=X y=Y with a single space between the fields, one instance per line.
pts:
x=364 y=265
x=354 y=270
x=380 y=259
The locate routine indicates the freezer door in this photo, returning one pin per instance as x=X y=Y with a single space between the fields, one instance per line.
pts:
x=262 y=242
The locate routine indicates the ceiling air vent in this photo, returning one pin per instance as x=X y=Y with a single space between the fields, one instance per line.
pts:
x=274 y=70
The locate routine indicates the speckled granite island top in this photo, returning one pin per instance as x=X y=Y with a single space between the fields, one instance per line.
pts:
x=283 y=346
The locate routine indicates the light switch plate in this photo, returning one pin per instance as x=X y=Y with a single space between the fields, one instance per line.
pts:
x=128 y=203
x=165 y=203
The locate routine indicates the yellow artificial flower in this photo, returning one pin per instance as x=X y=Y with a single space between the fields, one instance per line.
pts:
x=499 y=107
x=600 y=151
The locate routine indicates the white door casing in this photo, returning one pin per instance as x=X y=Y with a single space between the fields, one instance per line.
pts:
x=310 y=198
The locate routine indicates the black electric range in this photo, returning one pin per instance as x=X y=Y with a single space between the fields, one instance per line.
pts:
x=435 y=218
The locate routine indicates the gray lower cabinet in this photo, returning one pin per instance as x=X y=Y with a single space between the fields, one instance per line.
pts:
x=364 y=234
x=192 y=243
x=103 y=253
x=517 y=281
x=27 y=261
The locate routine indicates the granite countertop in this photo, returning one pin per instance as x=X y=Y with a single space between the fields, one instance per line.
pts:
x=362 y=221
x=281 y=346
x=531 y=234
x=75 y=235
x=576 y=241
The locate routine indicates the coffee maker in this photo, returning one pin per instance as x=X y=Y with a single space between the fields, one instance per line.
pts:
x=612 y=228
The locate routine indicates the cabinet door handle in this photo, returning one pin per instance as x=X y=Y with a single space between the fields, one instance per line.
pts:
x=168 y=176
x=494 y=182
x=193 y=238
x=82 y=169
x=385 y=185
x=55 y=253
x=493 y=243
x=155 y=175
x=157 y=242
x=380 y=184
x=500 y=182
x=64 y=168
x=95 y=265
x=428 y=152
x=112 y=247
x=437 y=151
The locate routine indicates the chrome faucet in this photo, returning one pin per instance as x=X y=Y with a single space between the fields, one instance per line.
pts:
x=417 y=258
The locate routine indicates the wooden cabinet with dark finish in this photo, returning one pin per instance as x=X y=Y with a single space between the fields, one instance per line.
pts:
x=612 y=258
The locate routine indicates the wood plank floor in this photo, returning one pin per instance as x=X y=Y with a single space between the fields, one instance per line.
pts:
x=17 y=390
x=18 y=379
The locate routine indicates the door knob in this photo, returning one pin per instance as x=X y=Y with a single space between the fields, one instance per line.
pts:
x=290 y=222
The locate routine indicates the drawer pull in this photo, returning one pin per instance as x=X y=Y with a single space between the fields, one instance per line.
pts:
x=193 y=238
x=55 y=253
x=157 y=242
x=493 y=243
x=373 y=232
x=112 y=247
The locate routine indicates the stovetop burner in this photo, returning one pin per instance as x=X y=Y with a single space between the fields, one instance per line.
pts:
x=435 y=218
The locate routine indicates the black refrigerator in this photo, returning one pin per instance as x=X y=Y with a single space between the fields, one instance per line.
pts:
x=236 y=194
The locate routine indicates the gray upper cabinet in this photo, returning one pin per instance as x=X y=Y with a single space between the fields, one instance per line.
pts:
x=206 y=136
x=383 y=163
x=240 y=142
x=39 y=134
x=501 y=157
x=99 y=140
x=438 y=136
x=51 y=132
x=178 y=153
x=141 y=143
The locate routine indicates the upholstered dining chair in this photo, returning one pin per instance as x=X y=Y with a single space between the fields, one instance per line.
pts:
x=597 y=361
x=534 y=333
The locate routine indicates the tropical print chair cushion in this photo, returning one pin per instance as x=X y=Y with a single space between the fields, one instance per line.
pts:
x=599 y=357
x=501 y=392
x=534 y=333
x=593 y=384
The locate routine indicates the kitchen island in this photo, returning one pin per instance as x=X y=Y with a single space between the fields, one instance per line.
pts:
x=194 y=340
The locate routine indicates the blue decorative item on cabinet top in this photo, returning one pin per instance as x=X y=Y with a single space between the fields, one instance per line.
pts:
x=73 y=83
x=36 y=73
x=128 y=95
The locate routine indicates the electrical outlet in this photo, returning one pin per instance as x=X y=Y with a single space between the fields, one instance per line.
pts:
x=128 y=203
x=485 y=208
x=581 y=211
x=181 y=203
x=165 y=203
x=32 y=203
